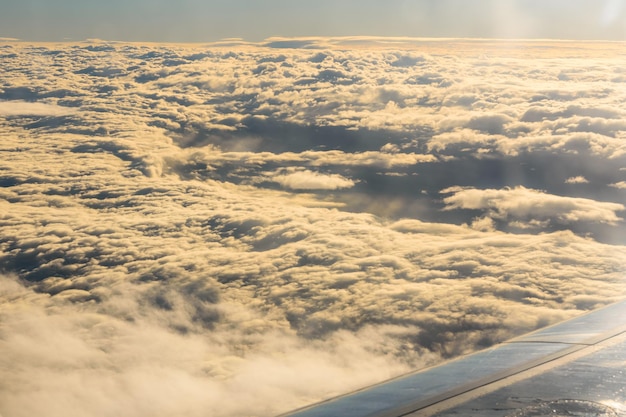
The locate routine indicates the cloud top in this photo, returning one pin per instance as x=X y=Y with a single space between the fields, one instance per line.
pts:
x=23 y=108
x=309 y=180
x=523 y=203
x=236 y=229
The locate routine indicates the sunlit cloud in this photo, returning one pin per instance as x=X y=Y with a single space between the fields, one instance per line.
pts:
x=23 y=108
x=577 y=180
x=524 y=203
x=241 y=228
x=308 y=180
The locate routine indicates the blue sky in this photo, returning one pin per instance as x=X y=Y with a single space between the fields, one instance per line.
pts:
x=254 y=20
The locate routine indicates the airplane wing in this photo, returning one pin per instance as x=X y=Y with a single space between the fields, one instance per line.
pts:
x=575 y=368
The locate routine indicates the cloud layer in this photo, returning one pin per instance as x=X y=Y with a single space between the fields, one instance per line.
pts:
x=243 y=229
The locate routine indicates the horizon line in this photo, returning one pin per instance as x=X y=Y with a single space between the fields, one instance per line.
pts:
x=231 y=41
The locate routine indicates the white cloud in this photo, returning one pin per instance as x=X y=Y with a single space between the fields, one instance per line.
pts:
x=309 y=180
x=523 y=203
x=577 y=180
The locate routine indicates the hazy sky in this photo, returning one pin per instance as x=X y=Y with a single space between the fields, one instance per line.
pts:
x=210 y=20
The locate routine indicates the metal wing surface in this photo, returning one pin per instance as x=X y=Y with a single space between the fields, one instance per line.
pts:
x=575 y=368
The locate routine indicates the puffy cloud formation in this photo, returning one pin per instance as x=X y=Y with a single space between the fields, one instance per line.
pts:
x=522 y=203
x=307 y=180
x=239 y=229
